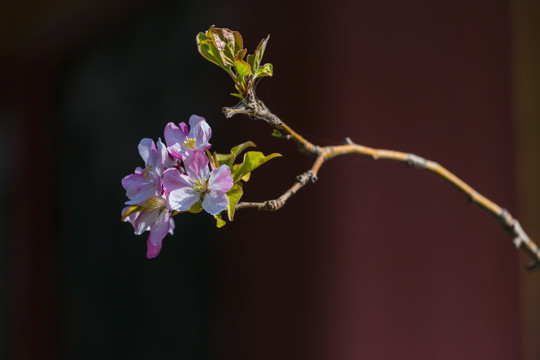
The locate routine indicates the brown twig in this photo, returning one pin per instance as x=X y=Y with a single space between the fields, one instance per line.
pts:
x=255 y=108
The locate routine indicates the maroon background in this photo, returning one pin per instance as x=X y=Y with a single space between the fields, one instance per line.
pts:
x=373 y=261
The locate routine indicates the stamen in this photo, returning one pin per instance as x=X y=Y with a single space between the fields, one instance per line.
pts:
x=190 y=143
x=155 y=202
x=199 y=186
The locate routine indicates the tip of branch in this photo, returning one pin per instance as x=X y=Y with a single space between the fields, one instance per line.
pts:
x=228 y=112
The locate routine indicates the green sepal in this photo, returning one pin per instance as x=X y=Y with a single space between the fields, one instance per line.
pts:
x=252 y=160
x=131 y=210
x=219 y=221
x=246 y=177
x=234 y=196
x=196 y=208
x=212 y=160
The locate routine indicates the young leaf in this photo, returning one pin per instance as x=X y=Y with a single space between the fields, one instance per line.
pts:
x=242 y=67
x=208 y=49
x=252 y=160
x=259 y=52
x=238 y=149
x=228 y=159
x=225 y=41
x=240 y=96
x=262 y=71
x=234 y=196
x=238 y=42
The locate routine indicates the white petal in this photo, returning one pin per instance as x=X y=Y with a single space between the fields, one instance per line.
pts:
x=214 y=203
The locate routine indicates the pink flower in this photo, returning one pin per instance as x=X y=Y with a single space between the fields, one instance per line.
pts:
x=180 y=139
x=145 y=183
x=155 y=218
x=144 y=188
x=184 y=190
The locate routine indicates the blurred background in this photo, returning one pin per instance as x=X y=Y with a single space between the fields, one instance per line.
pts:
x=374 y=261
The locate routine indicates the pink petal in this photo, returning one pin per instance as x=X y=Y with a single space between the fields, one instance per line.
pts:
x=145 y=220
x=133 y=181
x=146 y=147
x=153 y=250
x=184 y=128
x=200 y=131
x=196 y=165
x=173 y=134
x=157 y=233
x=175 y=151
x=220 y=179
x=194 y=120
x=173 y=180
x=141 y=194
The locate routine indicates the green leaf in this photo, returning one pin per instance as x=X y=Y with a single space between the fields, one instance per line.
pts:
x=252 y=160
x=238 y=149
x=240 y=96
x=219 y=221
x=242 y=67
x=259 y=52
x=228 y=159
x=262 y=71
x=238 y=42
x=208 y=49
x=225 y=41
x=277 y=133
x=240 y=54
x=234 y=196
x=224 y=159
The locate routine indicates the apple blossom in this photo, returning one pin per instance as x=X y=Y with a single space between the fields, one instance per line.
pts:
x=180 y=139
x=198 y=184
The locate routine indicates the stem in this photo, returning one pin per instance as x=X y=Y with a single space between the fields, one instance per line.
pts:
x=255 y=108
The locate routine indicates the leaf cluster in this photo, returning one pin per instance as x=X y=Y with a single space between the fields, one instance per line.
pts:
x=224 y=47
x=241 y=172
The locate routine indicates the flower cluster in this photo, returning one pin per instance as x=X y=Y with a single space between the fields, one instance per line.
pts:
x=176 y=178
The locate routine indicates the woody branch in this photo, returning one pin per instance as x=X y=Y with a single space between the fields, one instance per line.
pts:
x=255 y=108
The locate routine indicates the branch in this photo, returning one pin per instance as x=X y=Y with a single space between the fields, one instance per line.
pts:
x=255 y=108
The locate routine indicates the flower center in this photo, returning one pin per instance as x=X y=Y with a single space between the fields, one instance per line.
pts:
x=155 y=202
x=199 y=186
x=190 y=143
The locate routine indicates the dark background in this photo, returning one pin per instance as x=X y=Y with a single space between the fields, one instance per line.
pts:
x=374 y=261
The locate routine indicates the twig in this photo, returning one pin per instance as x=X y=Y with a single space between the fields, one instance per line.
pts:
x=255 y=108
